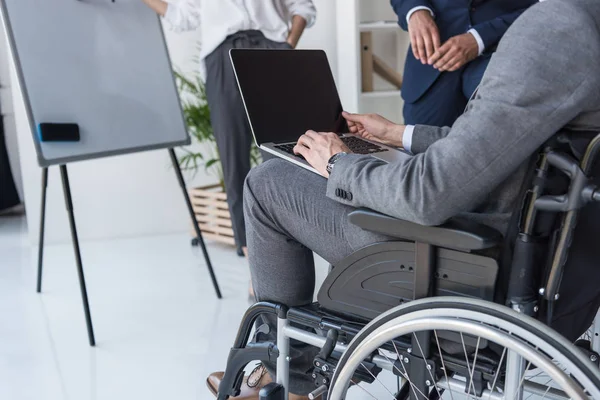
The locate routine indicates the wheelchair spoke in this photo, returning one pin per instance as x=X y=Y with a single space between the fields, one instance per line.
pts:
x=363 y=389
x=497 y=374
x=412 y=385
x=548 y=389
x=404 y=374
x=437 y=341
x=470 y=383
x=377 y=379
x=433 y=380
x=522 y=381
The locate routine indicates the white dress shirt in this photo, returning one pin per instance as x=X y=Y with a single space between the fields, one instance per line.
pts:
x=218 y=19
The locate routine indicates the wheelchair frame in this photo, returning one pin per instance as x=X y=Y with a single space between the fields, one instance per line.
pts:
x=342 y=328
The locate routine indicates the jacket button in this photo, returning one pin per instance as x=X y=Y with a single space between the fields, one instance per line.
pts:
x=338 y=192
x=349 y=196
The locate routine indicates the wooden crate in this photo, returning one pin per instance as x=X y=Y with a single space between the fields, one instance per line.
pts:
x=212 y=213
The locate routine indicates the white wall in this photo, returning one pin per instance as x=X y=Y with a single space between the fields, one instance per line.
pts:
x=8 y=117
x=136 y=194
x=323 y=34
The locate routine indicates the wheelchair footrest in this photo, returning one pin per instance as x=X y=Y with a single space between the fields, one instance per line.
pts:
x=272 y=391
x=237 y=361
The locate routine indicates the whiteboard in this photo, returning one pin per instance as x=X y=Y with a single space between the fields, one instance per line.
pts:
x=101 y=64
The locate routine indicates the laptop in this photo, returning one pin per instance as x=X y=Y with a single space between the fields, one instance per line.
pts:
x=286 y=93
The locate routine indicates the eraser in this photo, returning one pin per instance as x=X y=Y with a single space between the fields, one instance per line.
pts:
x=58 y=132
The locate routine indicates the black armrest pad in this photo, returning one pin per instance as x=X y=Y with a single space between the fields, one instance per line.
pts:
x=455 y=234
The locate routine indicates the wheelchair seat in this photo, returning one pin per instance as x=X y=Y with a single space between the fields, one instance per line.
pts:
x=384 y=275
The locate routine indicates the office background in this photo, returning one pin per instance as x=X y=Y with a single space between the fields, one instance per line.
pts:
x=148 y=289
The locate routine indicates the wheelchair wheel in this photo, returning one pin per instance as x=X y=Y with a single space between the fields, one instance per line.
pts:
x=473 y=349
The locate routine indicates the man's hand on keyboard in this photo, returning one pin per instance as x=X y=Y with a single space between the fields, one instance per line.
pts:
x=375 y=127
x=318 y=147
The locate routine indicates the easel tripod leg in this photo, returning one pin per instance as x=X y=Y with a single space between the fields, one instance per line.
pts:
x=69 y=204
x=42 y=228
x=194 y=221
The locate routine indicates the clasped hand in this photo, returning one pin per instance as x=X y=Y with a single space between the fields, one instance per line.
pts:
x=425 y=42
x=318 y=147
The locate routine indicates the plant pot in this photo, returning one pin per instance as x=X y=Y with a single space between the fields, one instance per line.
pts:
x=212 y=213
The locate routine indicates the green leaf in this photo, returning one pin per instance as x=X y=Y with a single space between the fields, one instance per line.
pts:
x=210 y=163
x=196 y=113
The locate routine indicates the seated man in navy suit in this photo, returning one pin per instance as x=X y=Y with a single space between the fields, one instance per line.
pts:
x=451 y=44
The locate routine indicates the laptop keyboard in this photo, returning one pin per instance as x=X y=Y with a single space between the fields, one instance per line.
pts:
x=288 y=148
x=355 y=144
x=359 y=146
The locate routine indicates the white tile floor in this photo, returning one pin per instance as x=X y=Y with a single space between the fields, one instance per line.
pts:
x=159 y=328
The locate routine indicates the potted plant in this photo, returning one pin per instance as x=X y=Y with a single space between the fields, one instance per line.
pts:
x=209 y=202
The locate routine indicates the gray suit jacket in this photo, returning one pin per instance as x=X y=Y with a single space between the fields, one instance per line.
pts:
x=544 y=76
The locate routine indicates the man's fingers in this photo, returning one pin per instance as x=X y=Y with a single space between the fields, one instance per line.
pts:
x=441 y=52
x=299 y=149
x=355 y=121
x=305 y=140
x=428 y=46
x=436 y=40
x=456 y=66
x=421 y=48
x=310 y=133
x=352 y=127
x=353 y=117
x=449 y=55
x=413 y=45
x=451 y=62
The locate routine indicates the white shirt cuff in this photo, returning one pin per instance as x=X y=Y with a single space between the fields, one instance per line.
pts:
x=407 y=137
x=415 y=9
x=478 y=39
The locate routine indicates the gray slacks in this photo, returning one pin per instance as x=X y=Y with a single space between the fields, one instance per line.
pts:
x=229 y=121
x=288 y=217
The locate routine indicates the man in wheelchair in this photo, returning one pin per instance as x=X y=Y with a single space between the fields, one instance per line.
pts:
x=479 y=204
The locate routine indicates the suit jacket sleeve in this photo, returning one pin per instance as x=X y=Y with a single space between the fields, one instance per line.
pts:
x=492 y=31
x=425 y=135
x=521 y=103
x=402 y=7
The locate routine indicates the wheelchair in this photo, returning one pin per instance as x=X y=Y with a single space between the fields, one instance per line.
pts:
x=455 y=311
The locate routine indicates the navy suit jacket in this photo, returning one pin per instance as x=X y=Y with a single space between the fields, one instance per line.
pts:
x=490 y=18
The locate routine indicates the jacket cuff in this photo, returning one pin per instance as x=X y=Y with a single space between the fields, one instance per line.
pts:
x=415 y=9
x=404 y=7
x=423 y=136
x=479 y=40
x=407 y=137
x=339 y=188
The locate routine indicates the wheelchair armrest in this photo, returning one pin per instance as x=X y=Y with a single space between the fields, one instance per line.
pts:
x=455 y=234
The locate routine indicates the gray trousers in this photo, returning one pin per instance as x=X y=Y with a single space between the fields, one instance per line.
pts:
x=229 y=121
x=287 y=218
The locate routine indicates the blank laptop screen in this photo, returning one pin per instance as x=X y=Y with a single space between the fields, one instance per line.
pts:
x=287 y=92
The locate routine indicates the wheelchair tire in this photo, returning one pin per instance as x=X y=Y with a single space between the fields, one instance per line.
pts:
x=550 y=343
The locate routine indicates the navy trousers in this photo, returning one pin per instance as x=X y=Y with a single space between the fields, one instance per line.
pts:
x=447 y=98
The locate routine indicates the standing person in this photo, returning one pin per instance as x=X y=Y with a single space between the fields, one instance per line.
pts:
x=224 y=25
x=451 y=43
